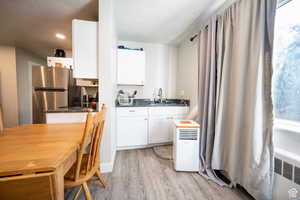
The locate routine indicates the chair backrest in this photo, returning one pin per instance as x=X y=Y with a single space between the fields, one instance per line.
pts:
x=1 y=120
x=91 y=138
x=27 y=187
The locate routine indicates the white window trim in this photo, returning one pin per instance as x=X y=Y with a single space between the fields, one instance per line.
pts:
x=287 y=125
x=283 y=124
x=282 y=3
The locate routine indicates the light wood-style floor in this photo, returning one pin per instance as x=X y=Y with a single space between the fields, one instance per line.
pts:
x=140 y=174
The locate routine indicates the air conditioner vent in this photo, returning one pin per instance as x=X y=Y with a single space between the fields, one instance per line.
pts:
x=188 y=134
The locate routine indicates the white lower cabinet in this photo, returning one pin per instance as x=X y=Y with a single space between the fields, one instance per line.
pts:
x=161 y=128
x=132 y=127
x=146 y=126
x=132 y=131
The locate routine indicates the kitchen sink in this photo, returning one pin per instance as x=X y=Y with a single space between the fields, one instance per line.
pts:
x=148 y=102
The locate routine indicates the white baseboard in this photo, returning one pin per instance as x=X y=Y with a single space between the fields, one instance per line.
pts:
x=143 y=146
x=108 y=166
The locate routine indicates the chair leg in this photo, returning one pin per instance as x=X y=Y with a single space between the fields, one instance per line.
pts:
x=101 y=179
x=86 y=191
x=78 y=193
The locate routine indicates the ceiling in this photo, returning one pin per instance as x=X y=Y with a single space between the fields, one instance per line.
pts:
x=32 y=24
x=160 y=21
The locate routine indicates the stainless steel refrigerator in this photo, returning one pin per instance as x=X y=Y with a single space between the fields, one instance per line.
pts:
x=49 y=91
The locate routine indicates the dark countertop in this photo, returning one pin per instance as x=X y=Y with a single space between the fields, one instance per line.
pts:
x=149 y=103
x=71 y=110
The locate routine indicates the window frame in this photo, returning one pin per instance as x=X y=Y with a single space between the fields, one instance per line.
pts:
x=283 y=124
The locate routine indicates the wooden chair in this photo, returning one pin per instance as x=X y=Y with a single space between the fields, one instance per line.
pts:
x=27 y=187
x=88 y=164
x=1 y=120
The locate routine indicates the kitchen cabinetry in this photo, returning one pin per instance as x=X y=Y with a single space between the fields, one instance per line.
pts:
x=57 y=118
x=132 y=131
x=132 y=127
x=160 y=129
x=161 y=123
x=144 y=126
x=84 y=49
x=131 y=67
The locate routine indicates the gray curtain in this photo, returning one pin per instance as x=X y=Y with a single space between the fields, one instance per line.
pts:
x=235 y=105
x=207 y=96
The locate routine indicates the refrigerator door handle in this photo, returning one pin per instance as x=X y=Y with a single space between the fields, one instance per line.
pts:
x=51 y=89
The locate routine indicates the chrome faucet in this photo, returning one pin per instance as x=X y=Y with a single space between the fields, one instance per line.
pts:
x=160 y=94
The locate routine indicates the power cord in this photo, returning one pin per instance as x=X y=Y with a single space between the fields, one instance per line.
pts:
x=159 y=156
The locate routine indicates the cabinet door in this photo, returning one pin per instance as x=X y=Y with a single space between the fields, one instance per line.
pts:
x=132 y=131
x=131 y=67
x=159 y=129
x=84 y=48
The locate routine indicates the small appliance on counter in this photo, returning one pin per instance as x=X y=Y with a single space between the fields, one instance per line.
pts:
x=88 y=99
x=84 y=98
x=60 y=53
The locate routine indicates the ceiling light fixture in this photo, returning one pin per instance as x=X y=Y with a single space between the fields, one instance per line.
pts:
x=60 y=36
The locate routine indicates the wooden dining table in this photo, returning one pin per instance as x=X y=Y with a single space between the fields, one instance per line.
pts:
x=38 y=149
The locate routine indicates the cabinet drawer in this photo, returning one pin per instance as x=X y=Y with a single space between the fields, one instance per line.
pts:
x=168 y=111
x=132 y=112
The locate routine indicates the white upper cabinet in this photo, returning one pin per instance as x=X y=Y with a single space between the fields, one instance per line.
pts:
x=131 y=67
x=84 y=48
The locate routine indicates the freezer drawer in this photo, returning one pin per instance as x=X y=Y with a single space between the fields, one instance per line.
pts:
x=47 y=100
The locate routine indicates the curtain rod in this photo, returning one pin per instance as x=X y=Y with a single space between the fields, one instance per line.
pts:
x=192 y=38
x=227 y=4
x=196 y=35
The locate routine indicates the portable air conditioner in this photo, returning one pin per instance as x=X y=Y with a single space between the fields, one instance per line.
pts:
x=186 y=146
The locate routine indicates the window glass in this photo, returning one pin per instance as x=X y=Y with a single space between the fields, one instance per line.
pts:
x=286 y=79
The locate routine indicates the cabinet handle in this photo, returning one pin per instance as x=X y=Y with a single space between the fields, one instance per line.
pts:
x=146 y=119
x=131 y=110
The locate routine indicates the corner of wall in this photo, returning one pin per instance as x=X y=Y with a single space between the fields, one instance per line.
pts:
x=8 y=95
x=107 y=76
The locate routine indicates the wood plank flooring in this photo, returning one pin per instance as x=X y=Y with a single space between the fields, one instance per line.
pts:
x=140 y=174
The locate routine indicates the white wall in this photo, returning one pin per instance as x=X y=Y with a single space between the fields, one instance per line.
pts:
x=187 y=71
x=24 y=62
x=107 y=80
x=8 y=86
x=161 y=64
x=68 y=53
